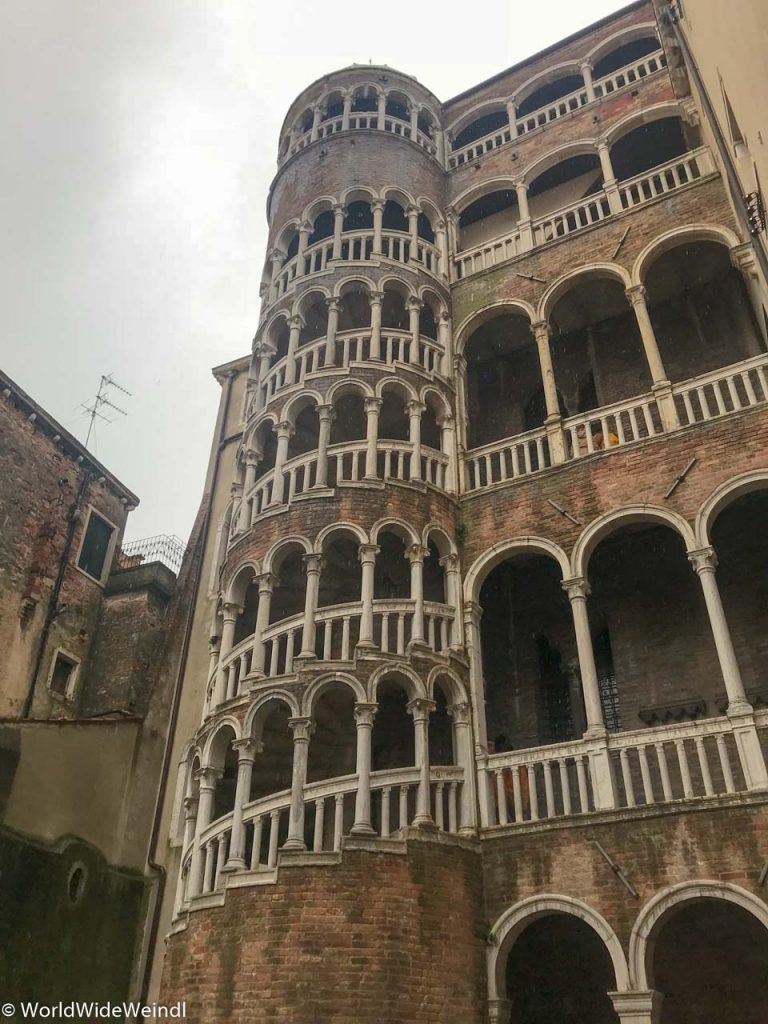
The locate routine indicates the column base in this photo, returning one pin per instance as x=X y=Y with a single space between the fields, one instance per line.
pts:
x=366 y=647
x=294 y=844
x=425 y=821
x=234 y=864
x=305 y=656
x=637 y=1007
x=362 y=828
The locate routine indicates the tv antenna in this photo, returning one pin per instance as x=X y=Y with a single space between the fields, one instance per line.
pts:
x=101 y=401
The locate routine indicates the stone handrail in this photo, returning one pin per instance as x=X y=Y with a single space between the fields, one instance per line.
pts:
x=507 y=459
x=363 y=120
x=722 y=391
x=611 y=426
x=688 y=167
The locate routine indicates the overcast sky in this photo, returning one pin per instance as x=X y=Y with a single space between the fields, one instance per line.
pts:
x=139 y=141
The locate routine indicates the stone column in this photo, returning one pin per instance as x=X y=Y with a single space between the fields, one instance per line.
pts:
x=473 y=613
x=499 y=1011
x=744 y=260
x=661 y=386
x=553 y=422
x=413 y=231
x=414 y=308
x=295 y=324
x=251 y=464
x=325 y=418
x=367 y=555
x=312 y=570
x=438 y=137
x=347 y=109
x=377 y=206
x=637 y=1007
x=301 y=728
x=246 y=750
x=415 y=409
x=266 y=583
x=448 y=442
x=601 y=768
x=330 y=333
x=266 y=355
x=586 y=73
x=317 y=114
x=364 y=715
x=207 y=778
x=416 y=554
x=372 y=407
x=610 y=187
x=512 y=117
x=276 y=258
x=445 y=338
x=524 y=217
x=376 y=299
x=414 y=122
x=441 y=241
x=338 y=227
x=381 y=111
x=450 y=566
x=284 y=431
x=462 y=743
x=421 y=709
x=305 y=230
x=229 y=616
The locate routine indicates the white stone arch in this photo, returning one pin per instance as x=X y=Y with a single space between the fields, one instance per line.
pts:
x=294 y=540
x=341 y=527
x=397 y=526
x=458 y=691
x=343 y=285
x=647 y=115
x=620 y=38
x=411 y=682
x=475 y=112
x=298 y=307
x=500 y=552
x=290 y=228
x=262 y=707
x=366 y=86
x=430 y=296
x=228 y=722
x=397 y=194
x=320 y=205
x=325 y=682
x=248 y=570
x=577 y=147
x=696 y=232
x=609 y=522
x=298 y=403
x=406 y=390
x=446 y=542
x=545 y=77
x=284 y=313
x=264 y=419
x=565 y=282
x=347 y=386
x=429 y=393
x=722 y=497
x=483 y=188
x=642 y=939
x=430 y=211
x=514 y=921
x=470 y=323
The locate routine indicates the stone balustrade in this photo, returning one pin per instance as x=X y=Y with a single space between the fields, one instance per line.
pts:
x=368 y=121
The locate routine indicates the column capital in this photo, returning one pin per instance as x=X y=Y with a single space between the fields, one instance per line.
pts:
x=301 y=729
x=214 y=642
x=637 y=294
x=602 y=143
x=459 y=362
x=415 y=407
x=368 y=552
x=420 y=708
x=450 y=562
x=305 y=227
x=445 y=418
x=416 y=553
x=412 y=210
x=376 y=298
x=190 y=805
x=312 y=563
x=576 y=587
x=637 y=1006
x=266 y=582
x=377 y=204
x=413 y=304
x=333 y=302
x=339 y=209
x=541 y=329
x=460 y=712
x=444 y=317
x=230 y=611
x=283 y=429
x=585 y=64
x=519 y=185
x=372 y=404
x=703 y=560
x=276 y=254
x=365 y=713
x=743 y=258
x=473 y=612
x=252 y=457
x=208 y=777
x=325 y=413
x=296 y=322
x=247 y=748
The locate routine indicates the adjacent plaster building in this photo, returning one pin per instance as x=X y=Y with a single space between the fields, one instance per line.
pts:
x=471 y=723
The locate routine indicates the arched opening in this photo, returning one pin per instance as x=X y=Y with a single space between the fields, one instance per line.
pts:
x=427 y=322
x=647 y=146
x=480 y=127
x=341 y=574
x=306 y=428
x=503 y=374
x=549 y=986
x=426 y=123
x=354 y=308
x=738 y=537
x=434 y=575
x=224 y=758
x=359 y=216
x=700 y=312
x=597 y=351
x=623 y=55
x=273 y=767
x=333 y=742
x=441 y=750
x=710 y=963
x=265 y=444
x=493 y=214
x=291 y=245
x=392 y=741
x=424 y=227
x=246 y=621
x=431 y=434
x=322 y=227
x=394 y=218
x=334 y=106
x=289 y=590
x=392 y=574
x=398 y=105
x=530 y=661
x=304 y=121
x=349 y=419
x=569 y=181
x=365 y=99
x=279 y=337
x=549 y=92
x=393 y=416
x=314 y=311
x=653 y=641
x=394 y=315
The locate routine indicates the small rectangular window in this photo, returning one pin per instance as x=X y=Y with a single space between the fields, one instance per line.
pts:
x=63 y=675
x=96 y=546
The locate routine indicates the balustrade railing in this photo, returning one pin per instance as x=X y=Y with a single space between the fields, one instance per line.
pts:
x=612 y=426
x=722 y=391
x=656 y=182
x=365 y=120
x=508 y=459
x=502 y=136
x=328 y=817
x=646 y=767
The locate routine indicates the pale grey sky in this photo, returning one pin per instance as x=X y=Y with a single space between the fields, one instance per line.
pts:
x=139 y=141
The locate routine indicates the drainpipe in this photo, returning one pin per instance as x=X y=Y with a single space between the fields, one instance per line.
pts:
x=157 y=869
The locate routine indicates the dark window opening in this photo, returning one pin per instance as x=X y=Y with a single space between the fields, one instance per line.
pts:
x=93 y=554
x=547 y=94
x=63 y=673
x=487 y=205
x=624 y=55
x=567 y=170
x=480 y=128
x=557 y=692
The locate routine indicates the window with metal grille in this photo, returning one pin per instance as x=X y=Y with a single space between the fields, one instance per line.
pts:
x=606 y=681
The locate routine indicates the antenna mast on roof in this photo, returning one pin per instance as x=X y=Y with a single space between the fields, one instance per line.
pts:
x=94 y=411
